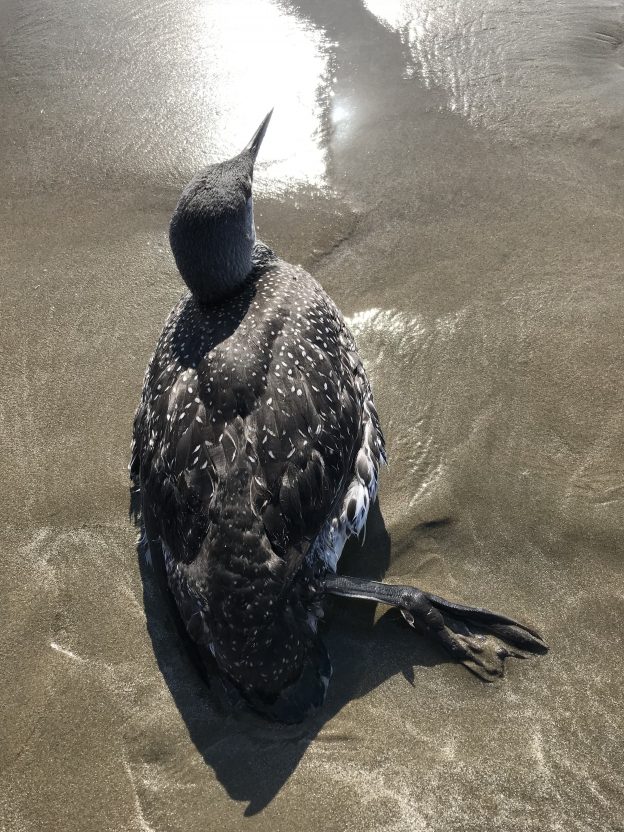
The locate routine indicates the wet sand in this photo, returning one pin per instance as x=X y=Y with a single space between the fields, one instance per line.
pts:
x=451 y=172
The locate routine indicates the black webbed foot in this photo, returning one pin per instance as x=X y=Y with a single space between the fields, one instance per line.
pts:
x=478 y=638
x=481 y=640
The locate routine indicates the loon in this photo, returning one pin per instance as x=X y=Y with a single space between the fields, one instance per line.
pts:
x=256 y=454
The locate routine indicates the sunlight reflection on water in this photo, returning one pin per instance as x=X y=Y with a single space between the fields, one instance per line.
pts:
x=255 y=57
x=160 y=89
x=524 y=67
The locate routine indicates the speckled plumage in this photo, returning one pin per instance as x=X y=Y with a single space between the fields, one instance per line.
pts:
x=256 y=449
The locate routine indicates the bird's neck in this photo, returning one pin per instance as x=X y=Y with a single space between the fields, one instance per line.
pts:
x=211 y=289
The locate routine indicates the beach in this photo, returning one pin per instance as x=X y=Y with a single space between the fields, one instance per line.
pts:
x=451 y=173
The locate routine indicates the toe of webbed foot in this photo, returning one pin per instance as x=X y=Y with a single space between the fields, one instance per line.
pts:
x=478 y=638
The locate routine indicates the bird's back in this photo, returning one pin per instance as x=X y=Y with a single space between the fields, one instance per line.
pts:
x=245 y=441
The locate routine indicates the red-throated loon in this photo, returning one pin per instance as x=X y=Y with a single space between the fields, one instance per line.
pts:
x=256 y=454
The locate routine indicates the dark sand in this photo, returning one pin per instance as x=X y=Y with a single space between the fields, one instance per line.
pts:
x=452 y=173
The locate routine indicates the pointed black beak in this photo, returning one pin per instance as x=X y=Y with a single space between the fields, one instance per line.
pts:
x=254 y=145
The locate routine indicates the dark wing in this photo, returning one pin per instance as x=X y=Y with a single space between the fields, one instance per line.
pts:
x=177 y=461
x=309 y=432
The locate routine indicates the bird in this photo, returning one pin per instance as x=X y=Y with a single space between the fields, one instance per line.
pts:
x=256 y=454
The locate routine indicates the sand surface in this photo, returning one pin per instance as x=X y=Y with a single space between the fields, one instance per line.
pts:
x=451 y=171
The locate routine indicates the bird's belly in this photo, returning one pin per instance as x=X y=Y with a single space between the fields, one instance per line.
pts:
x=349 y=521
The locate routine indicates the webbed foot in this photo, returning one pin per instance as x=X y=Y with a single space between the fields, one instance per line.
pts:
x=481 y=640
x=478 y=638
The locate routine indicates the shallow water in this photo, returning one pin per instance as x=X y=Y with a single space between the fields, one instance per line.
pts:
x=451 y=172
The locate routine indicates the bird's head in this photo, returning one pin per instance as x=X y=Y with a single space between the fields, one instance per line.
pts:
x=212 y=232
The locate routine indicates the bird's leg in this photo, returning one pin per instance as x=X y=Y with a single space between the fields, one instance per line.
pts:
x=481 y=640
